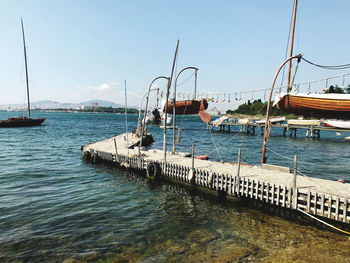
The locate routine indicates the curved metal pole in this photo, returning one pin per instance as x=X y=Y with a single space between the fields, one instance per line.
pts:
x=145 y=113
x=149 y=89
x=267 y=125
x=174 y=107
x=143 y=99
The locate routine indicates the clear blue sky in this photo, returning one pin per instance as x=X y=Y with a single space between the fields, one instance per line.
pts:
x=81 y=50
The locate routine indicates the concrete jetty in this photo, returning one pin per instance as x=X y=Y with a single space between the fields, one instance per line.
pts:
x=270 y=184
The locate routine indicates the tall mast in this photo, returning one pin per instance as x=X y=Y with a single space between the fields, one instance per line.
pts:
x=166 y=100
x=25 y=63
x=291 y=44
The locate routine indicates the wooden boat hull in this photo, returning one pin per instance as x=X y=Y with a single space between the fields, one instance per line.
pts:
x=315 y=106
x=21 y=122
x=187 y=107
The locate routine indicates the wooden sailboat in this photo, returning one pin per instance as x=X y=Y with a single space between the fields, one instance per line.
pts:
x=318 y=105
x=22 y=121
x=330 y=105
x=187 y=107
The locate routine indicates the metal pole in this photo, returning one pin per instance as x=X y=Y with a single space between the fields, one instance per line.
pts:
x=115 y=146
x=263 y=160
x=295 y=189
x=143 y=127
x=166 y=101
x=157 y=98
x=195 y=85
x=193 y=158
x=126 y=116
x=116 y=150
x=238 y=178
x=174 y=106
x=295 y=172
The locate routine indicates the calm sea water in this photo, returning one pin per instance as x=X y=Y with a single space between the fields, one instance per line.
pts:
x=55 y=207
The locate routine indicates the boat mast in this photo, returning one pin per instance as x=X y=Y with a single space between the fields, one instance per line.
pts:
x=25 y=63
x=291 y=45
x=166 y=101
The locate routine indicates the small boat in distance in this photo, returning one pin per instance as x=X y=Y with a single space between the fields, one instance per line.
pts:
x=340 y=124
x=22 y=121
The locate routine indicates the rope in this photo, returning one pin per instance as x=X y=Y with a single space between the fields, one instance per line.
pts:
x=222 y=145
x=295 y=73
x=260 y=109
x=329 y=189
x=177 y=85
x=183 y=115
x=250 y=154
x=217 y=150
x=323 y=222
x=344 y=66
x=311 y=164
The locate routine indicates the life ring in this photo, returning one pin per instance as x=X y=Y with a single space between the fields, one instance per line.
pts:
x=153 y=170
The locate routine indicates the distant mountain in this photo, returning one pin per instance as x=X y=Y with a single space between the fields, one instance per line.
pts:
x=50 y=104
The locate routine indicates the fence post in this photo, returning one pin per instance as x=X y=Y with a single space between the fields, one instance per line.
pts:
x=193 y=157
x=238 y=170
x=295 y=192
x=116 y=150
x=191 y=173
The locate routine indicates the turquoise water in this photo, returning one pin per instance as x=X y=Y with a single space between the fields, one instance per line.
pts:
x=54 y=207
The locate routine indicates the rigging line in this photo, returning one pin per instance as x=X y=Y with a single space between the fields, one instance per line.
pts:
x=222 y=145
x=183 y=115
x=281 y=155
x=320 y=165
x=177 y=85
x=319 y=80
x=250 y=154
x=260 y=109
x=311 y=164
x=295 y=73
x=318 y=183
x=217 y=150
x=344 y=66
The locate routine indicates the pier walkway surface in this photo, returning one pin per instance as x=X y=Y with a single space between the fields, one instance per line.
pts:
x=269 y=184
x=249 y=128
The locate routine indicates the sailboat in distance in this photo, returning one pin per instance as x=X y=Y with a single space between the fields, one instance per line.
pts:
x=22 y=121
